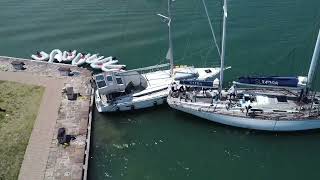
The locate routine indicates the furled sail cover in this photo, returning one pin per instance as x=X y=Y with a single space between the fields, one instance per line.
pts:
x=197 y=83
x=271 y=81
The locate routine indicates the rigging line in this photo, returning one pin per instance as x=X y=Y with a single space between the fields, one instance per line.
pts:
x=212 y=31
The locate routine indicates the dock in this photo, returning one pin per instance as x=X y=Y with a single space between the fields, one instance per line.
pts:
x=44 y=157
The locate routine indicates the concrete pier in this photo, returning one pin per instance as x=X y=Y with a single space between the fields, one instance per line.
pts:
x=44 y=157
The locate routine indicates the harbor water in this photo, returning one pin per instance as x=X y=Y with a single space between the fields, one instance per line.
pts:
x=268 y=37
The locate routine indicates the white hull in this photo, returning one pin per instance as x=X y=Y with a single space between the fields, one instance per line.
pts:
x=79 y=60
x=55 y=54
x=253 y=123
x=138 y=103
x=95 y=65
x=155 y=94
x=44 y=56
x=111 y=65
x=72 y=56
x=91 y=59
x=66 y=57
x=98 y=64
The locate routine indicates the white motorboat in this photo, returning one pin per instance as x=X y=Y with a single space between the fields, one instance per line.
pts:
x=148 y=89
x=40 y=56
x=55 y=54
x=122 y=91
x=269 y=103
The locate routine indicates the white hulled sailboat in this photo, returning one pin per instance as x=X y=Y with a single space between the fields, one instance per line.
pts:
x=262 y=103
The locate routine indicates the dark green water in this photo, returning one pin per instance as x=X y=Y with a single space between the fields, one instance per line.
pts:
x=264 y=37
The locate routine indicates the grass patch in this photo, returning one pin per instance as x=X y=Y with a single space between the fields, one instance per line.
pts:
x=19 y=104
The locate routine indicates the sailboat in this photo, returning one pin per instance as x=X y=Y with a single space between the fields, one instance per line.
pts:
x=144 y=87
x=269 y=103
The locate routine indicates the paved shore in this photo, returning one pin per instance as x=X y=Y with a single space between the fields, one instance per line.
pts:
x=44 y=158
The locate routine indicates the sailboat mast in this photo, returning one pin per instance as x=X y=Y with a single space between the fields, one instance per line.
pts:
x=314 y=61
x=170 y=53
x=223 y=44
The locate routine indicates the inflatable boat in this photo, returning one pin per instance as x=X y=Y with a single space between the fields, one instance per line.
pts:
x=80 y=59
x=97 y=59
x=71 y=55
x=68 y=56
x=64 y=55
x=55 y=54
x=98 y=64
x=106 y=66
x=92 y=58
x=114 y=70
x=111 y=62
x=40 y=56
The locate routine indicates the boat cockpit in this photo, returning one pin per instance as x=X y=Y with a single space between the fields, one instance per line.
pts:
x=109 y=83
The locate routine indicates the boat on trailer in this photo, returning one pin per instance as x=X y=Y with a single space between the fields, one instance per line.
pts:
x=261 y=103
